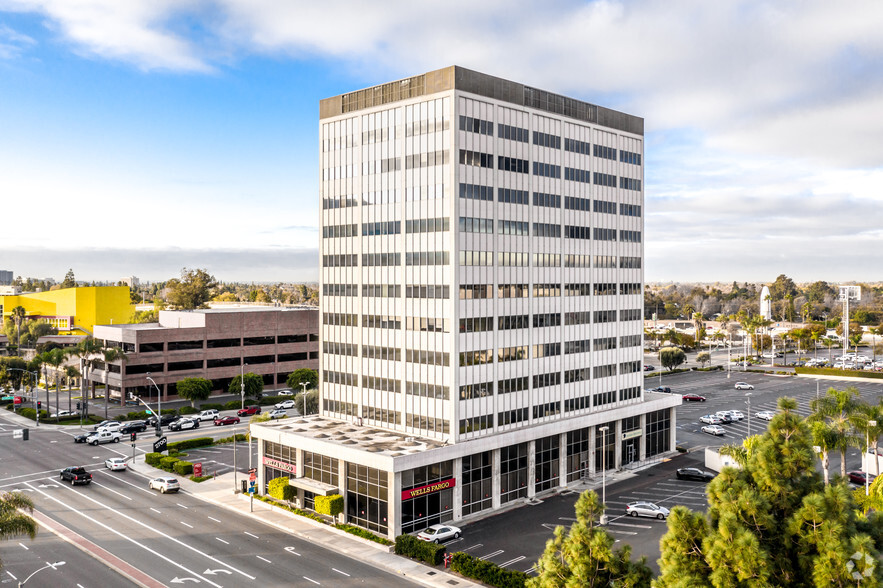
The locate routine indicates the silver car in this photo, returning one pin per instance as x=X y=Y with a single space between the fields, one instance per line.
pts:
x=713 y=430
x=711 y=419
x=437 y=533
x=646 y=509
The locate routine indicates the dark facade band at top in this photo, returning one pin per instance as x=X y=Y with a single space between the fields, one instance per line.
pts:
x=459 y=78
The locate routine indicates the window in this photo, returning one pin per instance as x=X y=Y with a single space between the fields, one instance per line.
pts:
x=512 y=196
x=602 y=398
x=577 y=289
x=547 y=320
x=630 y=184
x=345 y=379
x=577 y=175
x=512 y=291
x=470 y=224
x=150 y=348
x=546 y=170
x=630 y=209
x=432 y=158
x=381 y=291
x=604 y=371
x=427 y=258
x=427 y=357
x=547 y=260
x=518 y=228
x=544 y=380
x=577 y=453
x=340 y=261
x=480 y=390
x=604 y=261
x=476 y=324
x=381 y=259
x=476 y=192
x=546 y=140
x=546 y=460
x=381 y=228
x=515 y=321
x=477 y=482
x=574 y=260
x=600 y=179
x=632 y=314
x=177 y=366
x=575 y=146
x=577 y=318
x=604 y=343
x=512 y=259
x=186 y=345
x=477 y=357
x=476 y=158
x=629 y=367
x=428 y=225
x=604 y=289
x=573 y=203
x=512 y=385
x=513 y=472
x=603 y=206
x=512 y=133
x=511 y=417
x=630 y=236
x=546 y=290
x=337 y=348
x=546 y=230
x=427 y=391
x=475 y=125
x=512 y=164
x=658 y=436
x=339 y=289
x=480 y=258
x=431 y=291
x=601 y=234
x=431 y=325
x=335 y=231
x=630 y=393
x=366 y=499
x=605 y=316
x=378 y=383
x=549 y=200
x=380 y=352
x=378 y=321
x=574 y=232
x=512 y=353
x=604 y=152
x=629 y=157
x=546 y=410
x=476 y=423
x=577 y=375
x=578 y=346
x=475 y=291
x=630 y=289
x=320 y=468
x=630 y=262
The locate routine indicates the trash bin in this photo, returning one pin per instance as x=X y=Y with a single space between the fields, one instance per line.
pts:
x=244 y=486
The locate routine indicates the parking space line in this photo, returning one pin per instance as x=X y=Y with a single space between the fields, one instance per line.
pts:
x=489 y=555
x=511 y=561
x=474 y=546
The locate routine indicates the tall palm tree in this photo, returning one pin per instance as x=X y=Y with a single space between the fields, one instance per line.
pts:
x=18 y=316
x=70 y=372
x=825 y=439
x=837 y=408
x=86 y=351
x=56 y=359
x=13 y=520
x=866 y=413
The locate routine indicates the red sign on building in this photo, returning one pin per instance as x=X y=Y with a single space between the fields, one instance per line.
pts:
x=279 y=465
x=428 y=489
x=197 y=469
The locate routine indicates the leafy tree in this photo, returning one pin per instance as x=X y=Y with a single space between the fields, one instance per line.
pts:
x=683 y=555
x=254 y=385
x=193 y=290
x=69 y=280
x=194 y=389
x=703 y=357
x=56 y=359
x=226 y=297
x=18 y=316
x=825 y=439
x=584 y=556
x=312 y=402
x=14 y=520
x=672 y=357
x=311 y=377
x=838 y=408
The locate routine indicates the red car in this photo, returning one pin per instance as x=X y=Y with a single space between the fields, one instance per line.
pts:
x=693 y=398
x=858 y=477
x=249 y=410
x=227 y=420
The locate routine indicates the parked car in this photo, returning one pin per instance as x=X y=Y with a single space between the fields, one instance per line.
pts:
x=737 y=415
x=695 y=474
x=714 y=430
x=84 y=437
x=61 y=413
x=662 y=389
x=693 y=398
x=133 y=427
x=76 y=475
x=765 y=415
x=227 y=420
x=277 y=413
x=711 y=419
x=209 y=415
x=249 y=410
x=285 y=404
x=164 y=484
x=744 y=386
x=438 y=533
x=286 y=393
x=724 y=416
x=858 y=477
x=115 y=463
x=184 y=423
x=646 y=509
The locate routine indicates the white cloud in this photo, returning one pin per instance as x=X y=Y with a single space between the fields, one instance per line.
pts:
x=13 y=43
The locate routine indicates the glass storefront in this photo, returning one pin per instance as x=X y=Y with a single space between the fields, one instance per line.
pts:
x=427 y=496
x=631 y=447
x=547 y=469
x=605 y=446
x=658 y=434
x=279 y=461
x=478 y=476
x=366 y=498
x=513 y=472
x=577 y=454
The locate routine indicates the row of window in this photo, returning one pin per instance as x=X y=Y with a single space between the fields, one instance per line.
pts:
x=469 y=291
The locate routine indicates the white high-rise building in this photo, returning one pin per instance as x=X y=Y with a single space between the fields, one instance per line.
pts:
x=481 y=299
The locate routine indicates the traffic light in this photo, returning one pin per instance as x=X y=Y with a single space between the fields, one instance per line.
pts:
x=134 y=437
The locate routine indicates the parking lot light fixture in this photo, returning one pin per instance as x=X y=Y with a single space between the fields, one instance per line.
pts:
x=867 y=450
x=305 y=384
x=158 y=406
x=242 y=384
x=604 y=472
x=748 y=402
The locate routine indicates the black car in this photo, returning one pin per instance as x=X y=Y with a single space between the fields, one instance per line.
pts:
x=134 y=427
x=165 y=420
x=663 y=389
x=695 y=474
x=83 y=437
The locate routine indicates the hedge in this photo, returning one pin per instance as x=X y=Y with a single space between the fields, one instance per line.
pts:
x=212 y=405
x=187 y=410
x=152 y=459
x=487 y=572
x=191 y=443
x=240 y=438
x=837 y=372
x=329 y=505
x=232 y=405
x=410 y=546
x=291 y=509
x=183 y=468
x=276 y=488
x=363 y=533
x=168 y=463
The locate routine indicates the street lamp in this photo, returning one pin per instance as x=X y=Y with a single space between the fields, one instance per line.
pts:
x=242 y=384
x=48 y=565
x=748 y=402
x=158 y=406
x=305 y=384
x=604 y=472
x=868 y=450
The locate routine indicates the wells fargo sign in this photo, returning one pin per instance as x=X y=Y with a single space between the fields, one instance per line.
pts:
x=430 y=489
x=279 y=465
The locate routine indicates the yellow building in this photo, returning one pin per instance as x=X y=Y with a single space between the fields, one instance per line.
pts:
x=74 y=311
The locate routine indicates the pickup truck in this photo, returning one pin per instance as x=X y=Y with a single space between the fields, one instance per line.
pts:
x=104 y=436
x=76 y=475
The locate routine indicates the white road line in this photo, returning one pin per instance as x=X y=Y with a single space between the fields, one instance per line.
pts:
x=186 y=525
x=629 y=525
x=495 y=553
x=11 y=576
x=31 y=474
x=120 y=479
x=474 y=546
x=263 y=559
x=511 y=561
x=339 y=572
x=251 y=535
x=181 y=505
x=214 y=519
x=25 y=547
x=530 y=570
x=158 y=532
x=154 y=510
x=112 y=490
x=116 y=532
x=222 y=541
x=312 y=580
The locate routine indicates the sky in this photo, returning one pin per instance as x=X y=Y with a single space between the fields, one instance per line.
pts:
x=139 y=137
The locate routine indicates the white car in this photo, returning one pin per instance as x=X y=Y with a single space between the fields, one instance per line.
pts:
x=765 y=415
x=736 y=415
x=286 y=393
x=711 y=419
x=286 y=404
x=438 y=533
x=646 y=509
x=164 y=484
x=744 y=386
x=184 y=423
x=209 y=415
x=115 y=464
x=713 y=430
x=112 y=426
x=61 y=413
x=277 y=413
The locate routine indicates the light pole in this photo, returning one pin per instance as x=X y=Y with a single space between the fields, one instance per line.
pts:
x=604 y=472
x=867 y=451
x=235 y=482
x=305 y=384
x=48 y=565
x=158 y=406
x=748 y=402
x=242 y=384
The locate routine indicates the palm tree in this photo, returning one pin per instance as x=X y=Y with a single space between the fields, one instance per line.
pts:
x=866 y=413
x=829 y=343
x=18 y=316
x=13 y=520
x=56 y=359
x=825 y=439
x=70 y=372
x=838 y=408
x=86 y=350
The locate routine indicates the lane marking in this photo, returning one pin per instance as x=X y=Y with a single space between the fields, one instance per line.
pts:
x=312 y=580
x=25 y=547
x=181 y=505
x=186 y=525
x=511 y=561
x=263 y=559
x=495 y=553
x=11 y=576
x=116 y=532
x=120 y=479
x=252 y=535
x=291 y=550
x=222 y=541
x=214 y=519
x=474 y=546
x=112 y=490
x=154 y=510
x=339 y=572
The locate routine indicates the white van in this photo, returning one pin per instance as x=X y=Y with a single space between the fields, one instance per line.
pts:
x=209 y=415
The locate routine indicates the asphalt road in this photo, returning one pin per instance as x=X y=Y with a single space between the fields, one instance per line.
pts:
x=174 y=538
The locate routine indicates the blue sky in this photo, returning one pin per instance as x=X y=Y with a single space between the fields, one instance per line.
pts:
x=139 y=137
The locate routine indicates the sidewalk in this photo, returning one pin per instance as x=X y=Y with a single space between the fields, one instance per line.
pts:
x=219 y=491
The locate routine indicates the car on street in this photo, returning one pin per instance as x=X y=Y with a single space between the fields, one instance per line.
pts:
x=115 y=464
x=76 y=475
x=165 y=420
x=133 y=427
x=277 y=413
x=110 y=425
x=661 y=389
x=61 y=413
x=744 y=386
x=285 y=404
x=104 y=436
x=714 y=429
x=649 y=368
x=84 y=437
x=765 y=415
x=710 y=419
x=693 y=398
x=226 y=420
x=286 y=393
x=184 y=423
x=858 y=477
x=646 y=509
x=164 y=484
x=695 y=474
x=439 y=533
x=209 y=415
x=249 y=410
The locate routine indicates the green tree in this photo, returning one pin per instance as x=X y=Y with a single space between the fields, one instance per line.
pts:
x=193 y=290
x=254 y=385
x=825 y=439
x=838 y=408
x=865 y=414
x=194 y=389
x=311 y=377
x=56 y=359
x=683 y=556
x=672 y=357
x=69 y=280
x=583 y=555
x=18 y=316
x=703 y=357
x=14 y=520
x=312 y=402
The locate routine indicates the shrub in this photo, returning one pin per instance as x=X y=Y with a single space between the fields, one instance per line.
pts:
x=410 y=546
x=152 y=459
x=363 y=533
x=838 y=372
x=168 y=463
x=486 y=572
x=329 y=505
x=212 y=405
x=187 y=410
x=276 y=488
x=268 y=400
x=137 y=415
x=191 y=443
x=200 y=478
x=240 y=438
x=232 y=405
x=183 y=468
x=28 y=413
